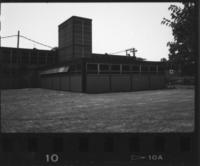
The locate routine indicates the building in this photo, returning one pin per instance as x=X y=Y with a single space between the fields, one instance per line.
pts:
x=73 y=67
x=19 y=67
x=75 y=38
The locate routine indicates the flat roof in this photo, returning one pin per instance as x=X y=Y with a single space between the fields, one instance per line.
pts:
x=74 y=17
x=25 y=49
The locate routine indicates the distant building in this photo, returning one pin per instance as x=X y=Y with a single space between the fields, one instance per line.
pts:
x=73 y=66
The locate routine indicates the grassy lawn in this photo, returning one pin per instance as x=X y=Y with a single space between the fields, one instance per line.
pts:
x=41 y=110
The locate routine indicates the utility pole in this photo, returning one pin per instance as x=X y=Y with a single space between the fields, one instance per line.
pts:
x=133 y=50
x=0 y=24
x=18 y=35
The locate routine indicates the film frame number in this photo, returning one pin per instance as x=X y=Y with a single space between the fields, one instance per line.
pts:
x=155 y=157
x=53 y=158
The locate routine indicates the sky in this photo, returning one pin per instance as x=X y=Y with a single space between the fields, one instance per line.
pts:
x=115 y=26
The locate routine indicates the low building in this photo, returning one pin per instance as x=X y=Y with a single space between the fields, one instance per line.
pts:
x=104 y=73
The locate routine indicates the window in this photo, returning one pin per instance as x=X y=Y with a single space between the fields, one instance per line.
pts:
x=135 y=68
x=144 y=68
x=78 y=67
x=153 y=68
x=42 y=59
x=126 y=68
x=104 y=67
x=49 y=59
x=115 y=67
x=92 y=67
x=33 y=58
x=25 y=58
x=72 y=68
x=75 y=68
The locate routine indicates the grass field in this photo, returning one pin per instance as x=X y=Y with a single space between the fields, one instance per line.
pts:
x=41 y=110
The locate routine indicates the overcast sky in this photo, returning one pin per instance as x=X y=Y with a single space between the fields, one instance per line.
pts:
x=115 y=26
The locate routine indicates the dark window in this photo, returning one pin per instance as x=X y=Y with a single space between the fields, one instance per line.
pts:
x=75 y=68
x=161 y=69
x=72 y=68
x=78 y=67
x=126 y=67
x=51 y=59
x=144 y=69
x=104 y=67
x=115 y=67
x=135 y=68
x=24 y=58
x=153 y=68
x=42 y=59
x=33 y=58
x=92 y=67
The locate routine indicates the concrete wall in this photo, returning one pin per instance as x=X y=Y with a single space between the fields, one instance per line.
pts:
x=62 y=82
x=100 y=83
x=97 y=83
x=7 y=83
x=119 y=83
x=76 y=83
x=15 y=83
x=140 y=82
x=157 y=82
x=48 y=83
x=55 y=83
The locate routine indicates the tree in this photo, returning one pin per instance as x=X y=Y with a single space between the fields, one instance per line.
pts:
x=54 y=49
x=183 y=50
x=163 y=60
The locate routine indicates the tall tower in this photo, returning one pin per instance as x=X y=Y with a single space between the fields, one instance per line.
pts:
x=75 y=38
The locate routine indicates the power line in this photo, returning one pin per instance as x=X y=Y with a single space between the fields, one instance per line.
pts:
x=132 y=50
x=4 y=37
x=35 y=41
x=120 y=51
x=8 y=36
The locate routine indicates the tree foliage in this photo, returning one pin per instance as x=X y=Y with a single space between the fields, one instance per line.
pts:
x=163 y=60
x=184 y=29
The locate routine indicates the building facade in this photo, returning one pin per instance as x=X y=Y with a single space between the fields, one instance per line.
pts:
x=73 y=67
x=108 y=74
x=19 y=67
